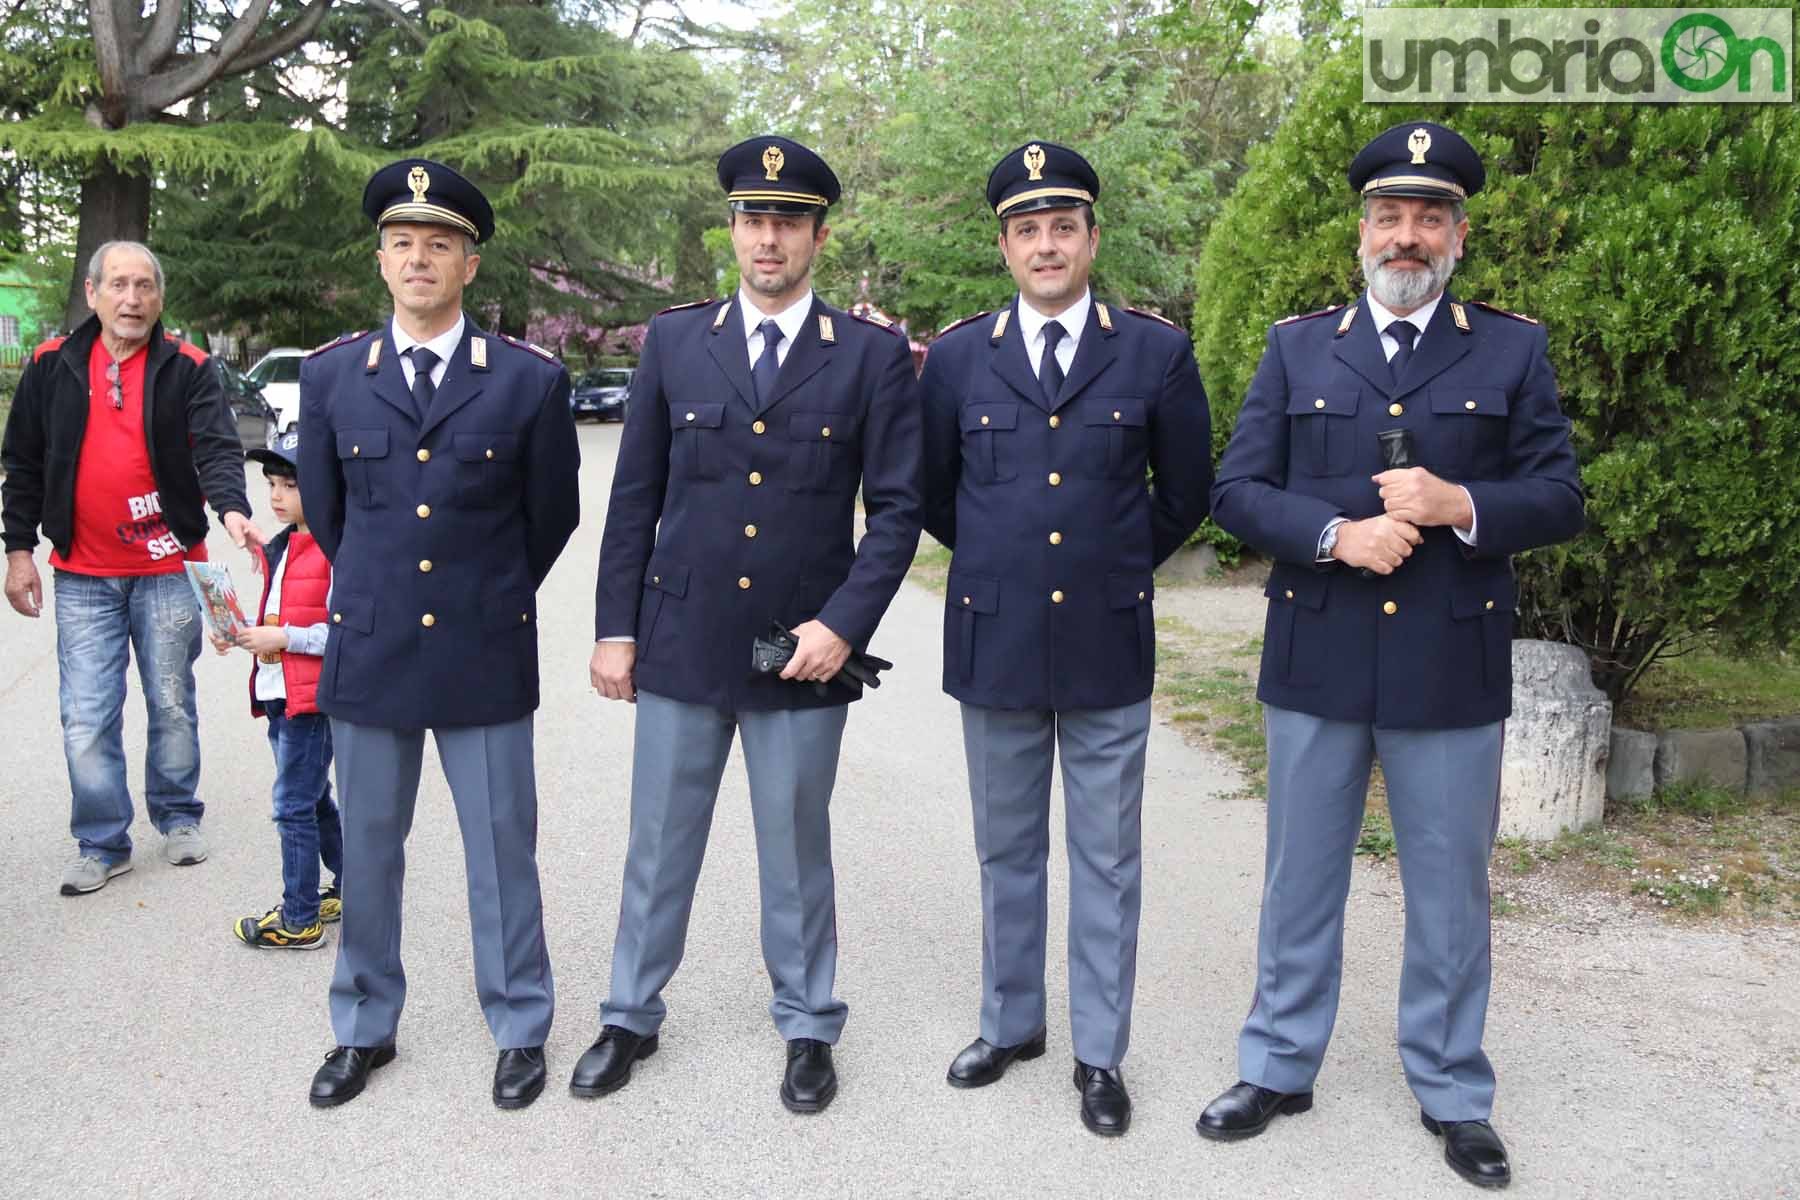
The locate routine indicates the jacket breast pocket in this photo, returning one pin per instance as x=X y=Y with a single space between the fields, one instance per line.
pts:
x=1469 y=429
x=487 y=467
x=1322 y=431
x=1116 y=428
x=362 y=454
x=695 y=442
x=1295 y=640
x=989 y=448
x=823 y=450
x=974 y=599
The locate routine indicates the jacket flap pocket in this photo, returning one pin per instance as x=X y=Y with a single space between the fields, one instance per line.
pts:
x=664 y=577
x=976 y=417
x=977 y=593
x=697 y=416
x=362 y=443
x=1303 y=401
x=1483 y=402
x=1305 y=588
x=508 y=609
x=1116 y=410
x=822 y=426
x=353 y=612
x=480 y=447
x=1480 y=597
x=1128 y=589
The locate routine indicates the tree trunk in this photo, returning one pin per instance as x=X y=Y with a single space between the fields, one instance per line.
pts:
x=114 y=206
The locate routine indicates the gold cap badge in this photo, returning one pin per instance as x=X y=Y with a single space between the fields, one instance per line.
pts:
x=419 y=182
x=1034 y=161
x=1419 y=141
x=772 y=160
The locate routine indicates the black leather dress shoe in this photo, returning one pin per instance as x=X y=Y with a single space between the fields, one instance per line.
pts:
x=982 y=1062
x=1473 y=1150
x=1244 y=1110
x=345 y=1072
x=811 y=1080
x=518 y=1077
x=605 y=1066
x=1105 y=1108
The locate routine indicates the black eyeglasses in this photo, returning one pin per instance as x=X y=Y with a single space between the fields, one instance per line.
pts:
x=113 y=390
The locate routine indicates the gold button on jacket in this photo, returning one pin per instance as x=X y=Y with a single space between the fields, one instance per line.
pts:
x=1390 y=608
x=424 y=510
x=428 y=620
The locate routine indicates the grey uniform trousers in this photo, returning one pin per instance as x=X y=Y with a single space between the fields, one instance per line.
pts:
x=1443 y=790
x=492 y=781
x=678 y=757
x=1011 y=753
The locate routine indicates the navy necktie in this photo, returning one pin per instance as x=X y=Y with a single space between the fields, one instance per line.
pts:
x=1404 y=335
x=424 y=362
x=768 y=365
x=1050 y=372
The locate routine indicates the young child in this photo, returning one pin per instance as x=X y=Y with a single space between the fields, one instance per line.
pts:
x=289 y=643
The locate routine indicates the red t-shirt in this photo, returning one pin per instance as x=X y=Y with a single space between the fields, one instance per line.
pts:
x=119 y=527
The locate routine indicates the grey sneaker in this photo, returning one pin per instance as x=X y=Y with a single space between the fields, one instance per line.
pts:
x=184 y=846
x=89 y=874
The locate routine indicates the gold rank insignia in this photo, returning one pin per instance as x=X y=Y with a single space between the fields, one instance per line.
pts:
x=1460 y=316
x=1419 y=141
x=1344 y=325
x=420 y=182
x=772 y=161
x=1104 y=316
x=827 y=334
x=374 y=355
x=1034 y=161
x=478 y=353
x=719 y=321
x=1000 y=325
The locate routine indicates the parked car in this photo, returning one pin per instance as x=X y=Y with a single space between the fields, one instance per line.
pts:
x=278 y=374
x=600 y=394
x=256 y=418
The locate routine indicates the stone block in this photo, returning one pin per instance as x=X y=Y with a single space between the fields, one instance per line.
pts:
x=1772 y=749
x=1190 y=564
x=1704 y=757
x=1631 y=768
x=1558 y=741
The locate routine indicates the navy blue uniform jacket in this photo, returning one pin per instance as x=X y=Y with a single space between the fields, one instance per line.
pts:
x=757 y=503
x=1054 y=532
x=438 y=534
x=1481 y=404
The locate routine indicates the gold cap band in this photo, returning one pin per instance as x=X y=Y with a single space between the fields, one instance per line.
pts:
x=1072 y=194
x=782 y=197
x=427 y=214
x=1376 y=185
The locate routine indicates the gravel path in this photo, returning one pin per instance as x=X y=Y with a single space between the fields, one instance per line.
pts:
x=150 y=1054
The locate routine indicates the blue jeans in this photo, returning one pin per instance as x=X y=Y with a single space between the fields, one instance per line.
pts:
x=306 y=817
x=100 y=622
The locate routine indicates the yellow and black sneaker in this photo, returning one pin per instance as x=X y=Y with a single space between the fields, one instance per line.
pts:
x=331 y=905
x=270 y=932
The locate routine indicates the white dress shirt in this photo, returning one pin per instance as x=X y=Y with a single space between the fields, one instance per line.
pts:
x=790 y=320
x=443 y=345
x=1073 y=319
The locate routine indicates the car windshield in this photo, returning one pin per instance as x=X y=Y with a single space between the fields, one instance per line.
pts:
x=285 y=369
x=605 y=379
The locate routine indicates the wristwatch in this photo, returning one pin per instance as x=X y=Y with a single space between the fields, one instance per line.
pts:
x=1328 y=540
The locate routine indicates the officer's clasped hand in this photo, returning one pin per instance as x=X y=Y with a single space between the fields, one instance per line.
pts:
x=1378 y=544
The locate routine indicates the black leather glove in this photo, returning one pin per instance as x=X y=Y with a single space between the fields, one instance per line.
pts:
x=772 y=652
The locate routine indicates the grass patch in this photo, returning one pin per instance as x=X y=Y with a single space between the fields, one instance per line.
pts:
x=1708 y=690
x=1206 y=685
x=1377 y=840
x=930 y=565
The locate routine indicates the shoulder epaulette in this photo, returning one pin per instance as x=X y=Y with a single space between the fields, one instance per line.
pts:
x=1309 y=316
x=685 y=307
x=342 y=339
x=1157 y=317
x=965 y=321
x=1502 y=312
x=879 y=321
x=49 y=347
x=531 y=346
x=187 y=350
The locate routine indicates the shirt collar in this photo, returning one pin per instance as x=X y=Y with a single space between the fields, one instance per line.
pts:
x=1073 y=319
x=1419 y=318
x=443 y=345
x=789 y=319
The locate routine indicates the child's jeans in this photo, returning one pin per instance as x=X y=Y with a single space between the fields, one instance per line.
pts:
x=305 y=815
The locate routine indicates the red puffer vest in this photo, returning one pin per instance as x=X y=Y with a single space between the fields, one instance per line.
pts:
x=304 y=586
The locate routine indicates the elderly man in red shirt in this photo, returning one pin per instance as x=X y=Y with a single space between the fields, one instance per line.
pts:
x=117 y=436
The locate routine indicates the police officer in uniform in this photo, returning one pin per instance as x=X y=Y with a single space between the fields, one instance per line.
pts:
x=438 y=473
x=752 y=423
x=1040 y=422
x=1389 y=631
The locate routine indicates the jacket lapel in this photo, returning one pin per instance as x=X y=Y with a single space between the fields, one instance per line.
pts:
x=1360 y=349
x=462 y=383
x=1009 y=360
x=729 y=349
x=388 y=381
x=1093 y=354
x=805 y=357
x=1438 y=349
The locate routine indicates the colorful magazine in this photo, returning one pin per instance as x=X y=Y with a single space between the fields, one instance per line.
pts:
x=218 y=599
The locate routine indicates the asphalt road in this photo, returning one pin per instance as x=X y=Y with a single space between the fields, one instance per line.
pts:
x=150 y=1054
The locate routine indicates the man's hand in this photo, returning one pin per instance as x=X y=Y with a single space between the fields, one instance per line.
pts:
x=24 y=590
x=819 y=654
x=244 y=532
x=1418 y=497
x=1380 y=544
x=609 y=670
x=263 y=639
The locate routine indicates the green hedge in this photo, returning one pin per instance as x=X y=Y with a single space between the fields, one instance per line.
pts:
x=1660 y=246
